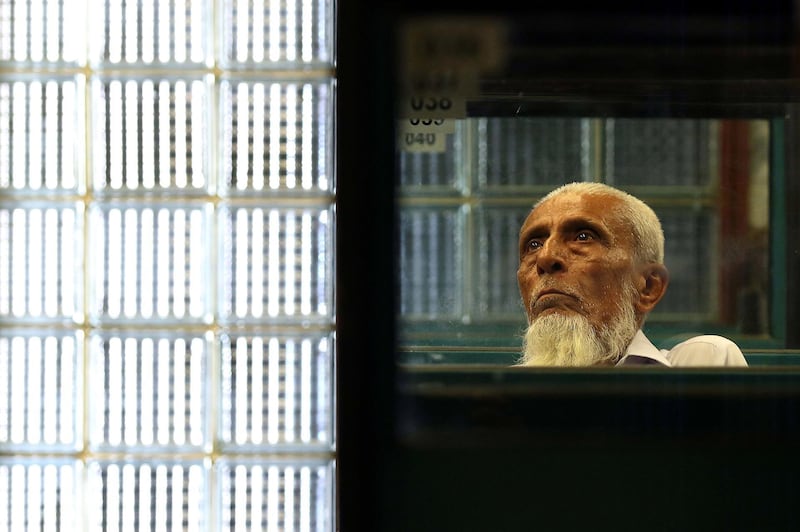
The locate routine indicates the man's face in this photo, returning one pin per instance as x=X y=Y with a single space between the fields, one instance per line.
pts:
x=575 y=258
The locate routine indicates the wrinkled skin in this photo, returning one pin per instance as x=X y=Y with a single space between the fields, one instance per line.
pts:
x=576 y=256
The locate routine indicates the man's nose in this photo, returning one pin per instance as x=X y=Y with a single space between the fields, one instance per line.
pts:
x=550 y=258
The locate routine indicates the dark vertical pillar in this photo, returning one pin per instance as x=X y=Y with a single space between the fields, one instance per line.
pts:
x=791 y=204
x=365 y=288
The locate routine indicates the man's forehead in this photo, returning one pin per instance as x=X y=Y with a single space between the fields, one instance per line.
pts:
x=574 y=205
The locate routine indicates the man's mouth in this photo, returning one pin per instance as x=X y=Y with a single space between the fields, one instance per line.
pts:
x=550 y=292
x=552 y=298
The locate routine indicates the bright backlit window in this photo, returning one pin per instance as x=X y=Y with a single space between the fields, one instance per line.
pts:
x=167 y=215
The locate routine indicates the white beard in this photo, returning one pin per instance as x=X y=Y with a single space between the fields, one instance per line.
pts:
x=570 y=340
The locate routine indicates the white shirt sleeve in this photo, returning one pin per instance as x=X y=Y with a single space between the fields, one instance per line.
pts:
x=706 y=350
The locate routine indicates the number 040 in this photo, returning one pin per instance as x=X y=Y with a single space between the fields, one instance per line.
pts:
x=425 y=139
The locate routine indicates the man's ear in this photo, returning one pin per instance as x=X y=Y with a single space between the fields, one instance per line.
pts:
x=652 y=287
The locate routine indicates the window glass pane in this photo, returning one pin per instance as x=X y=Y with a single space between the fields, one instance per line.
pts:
x=431 y=262
x=692 y=262
x=37 y=31
x=150 y=135
x=139 y=494
x=277 y=32
x=149 y=262
x=495 y=259
x=276 y=391
x=40 y=493
x=41 y=394
x=277 y=137
x=532 y=151
x=140 y=33
x=276 y=264
x=431 y=172
x=283 y=495
x=41 y=257
x=148 y=391
x=41 y=134
x=664 y=152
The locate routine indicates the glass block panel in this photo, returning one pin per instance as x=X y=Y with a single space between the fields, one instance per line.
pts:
x=41 y=395
x=41 y=134
x=40 y=494
x=276 y=137
x=431 y=261
x=690 y=257
x=41 y=261
x=278 y=33
x=149 y=262
x=153 y=495
x=660 y=152
x=38 y=31
x=427 y=173
x=276 y=391
x=137 y=33
x=496 y=261
x=150 y=135
x=276 y=495
x=148 y=391
x=275 y=264
x=532 y=151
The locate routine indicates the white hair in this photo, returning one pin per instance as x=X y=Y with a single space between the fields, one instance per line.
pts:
x=570 y=340
x=646 y=227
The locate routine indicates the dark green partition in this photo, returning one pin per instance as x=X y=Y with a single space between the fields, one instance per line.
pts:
x=504 y=356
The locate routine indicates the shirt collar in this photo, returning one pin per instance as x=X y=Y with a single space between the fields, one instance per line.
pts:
x=642 y=352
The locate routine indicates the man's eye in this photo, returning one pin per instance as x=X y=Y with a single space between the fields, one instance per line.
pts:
x=534 y=245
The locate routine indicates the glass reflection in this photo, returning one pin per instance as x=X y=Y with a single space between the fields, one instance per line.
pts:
x=461 y=209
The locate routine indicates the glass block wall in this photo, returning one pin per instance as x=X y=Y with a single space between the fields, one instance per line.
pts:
x=461 y=210
x=167 y=214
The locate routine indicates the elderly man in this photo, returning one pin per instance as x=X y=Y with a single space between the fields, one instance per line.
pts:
x=591 y=268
